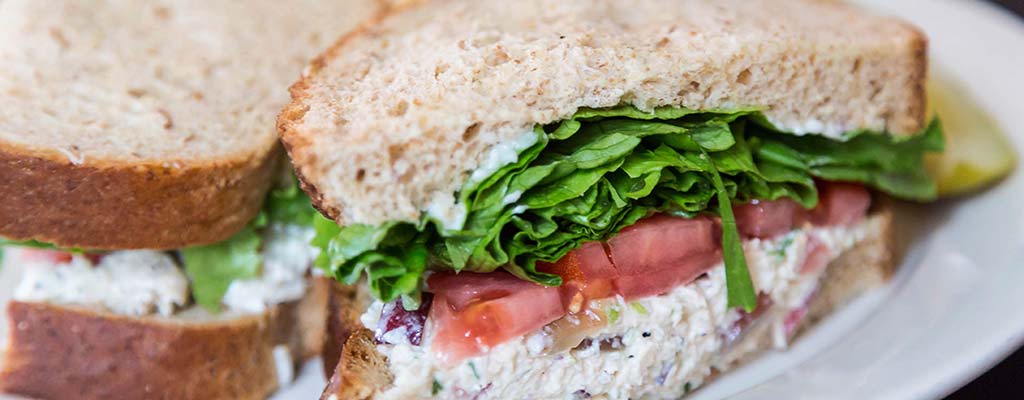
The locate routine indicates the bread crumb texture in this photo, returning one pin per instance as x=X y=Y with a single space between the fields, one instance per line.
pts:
x=184 y=81
x=395 y=117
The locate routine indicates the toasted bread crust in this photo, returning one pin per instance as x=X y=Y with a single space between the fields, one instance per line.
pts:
x=917 y=110
x=127 y=205
x=289 y=117
x=65 y=352
x=354 y=368
x=344 y=306
x=362 y=372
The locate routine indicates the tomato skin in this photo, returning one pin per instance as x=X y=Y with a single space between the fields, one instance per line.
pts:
x=648 y=258
x=57 y=257
x=473 y=312
x=840 y=204
x=661 y=252
x=766 y=219
x=587 y=273
x=46 y=255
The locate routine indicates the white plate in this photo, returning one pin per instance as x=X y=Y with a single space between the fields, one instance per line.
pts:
x=956 y=306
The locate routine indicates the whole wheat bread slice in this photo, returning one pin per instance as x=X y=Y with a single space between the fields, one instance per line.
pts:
x=131 y=124
x=361 y=372
x=64 y=352
x=393 y=119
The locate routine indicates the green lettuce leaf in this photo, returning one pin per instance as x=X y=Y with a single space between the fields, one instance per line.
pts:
x=27 y=243
x=289 y=205
x=212 y=268
x=586 y=178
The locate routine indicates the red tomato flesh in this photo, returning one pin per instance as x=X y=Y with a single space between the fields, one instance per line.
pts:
x=661 y=252
x=57 y=256
x=840 y=204
x=765 y=219
x=473 y=312
x=46 y=255
x=587 y=273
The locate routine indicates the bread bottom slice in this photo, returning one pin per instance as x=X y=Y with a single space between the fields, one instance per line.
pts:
x=361 y=372
x=66 y=352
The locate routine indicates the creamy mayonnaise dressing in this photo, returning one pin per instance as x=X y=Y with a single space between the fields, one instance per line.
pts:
x=131 y=282
x=444 y=207
x=656 y=347
x=287 y=256
x=502 y=154
x=149 y=282
x=831 y=129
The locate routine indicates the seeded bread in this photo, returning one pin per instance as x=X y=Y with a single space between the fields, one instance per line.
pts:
x=362 y=372
x=393 y=118
x=63 y=352
x=128 y=124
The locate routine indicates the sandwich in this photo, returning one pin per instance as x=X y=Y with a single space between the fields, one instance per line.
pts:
x=601 y=199
x=154 y=241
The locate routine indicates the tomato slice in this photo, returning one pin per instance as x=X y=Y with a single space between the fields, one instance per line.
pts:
x=473 y=312
x=56 y=257
x=587 y=273
x=46 y=255
x=840 y=204
x=661 y=252
x=648 y=258
x=766 y=219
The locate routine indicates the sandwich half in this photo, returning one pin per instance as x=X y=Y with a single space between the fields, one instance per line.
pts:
x=601 y=199
x=154 y=241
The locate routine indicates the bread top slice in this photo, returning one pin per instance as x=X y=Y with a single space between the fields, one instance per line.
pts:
x=394 y=118
x=127 y=124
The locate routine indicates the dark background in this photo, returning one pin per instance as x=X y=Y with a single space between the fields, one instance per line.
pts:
x=1014 y=5
x=1005 y=381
